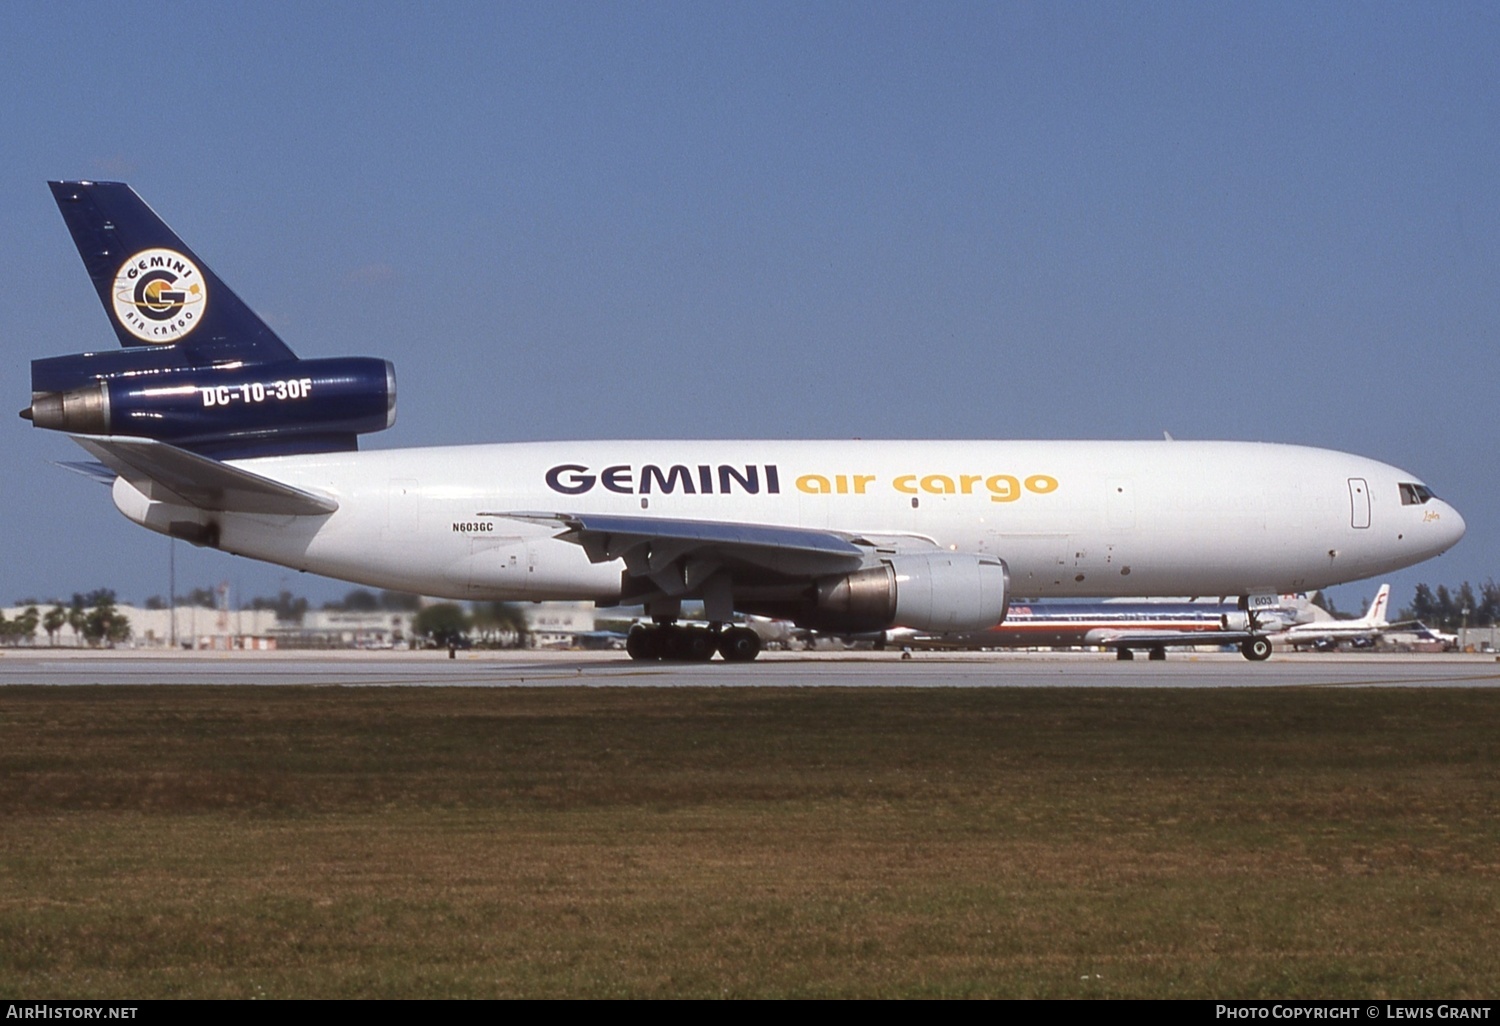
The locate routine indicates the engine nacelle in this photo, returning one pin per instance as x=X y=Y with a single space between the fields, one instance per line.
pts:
x=296 y=405
x=939 y=592
x=1268 y=620
x=1235 y=621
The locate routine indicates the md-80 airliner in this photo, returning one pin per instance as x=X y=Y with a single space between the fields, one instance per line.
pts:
x=1125 y=625
x=208 y=428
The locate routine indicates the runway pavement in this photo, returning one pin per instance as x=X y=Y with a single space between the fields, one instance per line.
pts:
x=819 y=669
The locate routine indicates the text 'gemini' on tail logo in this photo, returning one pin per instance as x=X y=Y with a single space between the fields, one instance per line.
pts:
x=159 y=295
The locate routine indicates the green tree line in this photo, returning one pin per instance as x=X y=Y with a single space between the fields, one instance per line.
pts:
x=291 y=608
x=1449 y=610
x=490 y=625
x=93 y=616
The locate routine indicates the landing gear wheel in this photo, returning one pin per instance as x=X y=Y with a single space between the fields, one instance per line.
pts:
x=670 y=646
x=1256 y=649
x=643 y=642
x=1124 y=655
x=739 y=645
x=686 y=644
x=697 y=645
x=1157 y=654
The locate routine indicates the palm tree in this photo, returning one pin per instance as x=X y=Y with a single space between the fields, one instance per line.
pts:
x=53 y=622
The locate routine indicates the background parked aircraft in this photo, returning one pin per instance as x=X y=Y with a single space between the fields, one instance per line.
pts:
x=1144 y=623
x=1360 y=632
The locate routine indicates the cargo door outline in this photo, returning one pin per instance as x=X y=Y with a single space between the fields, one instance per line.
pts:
x=1359 y=503
x=500 y=563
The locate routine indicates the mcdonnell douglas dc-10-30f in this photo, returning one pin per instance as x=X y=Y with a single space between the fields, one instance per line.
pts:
x=208 y=428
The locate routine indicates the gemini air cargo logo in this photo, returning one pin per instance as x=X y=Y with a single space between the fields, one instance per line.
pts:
x=160 y=295
x=627 y=479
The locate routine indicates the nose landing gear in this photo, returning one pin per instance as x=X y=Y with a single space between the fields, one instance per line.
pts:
x=1256 y=649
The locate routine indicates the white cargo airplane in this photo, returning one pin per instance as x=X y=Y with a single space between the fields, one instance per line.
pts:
x=211 y=430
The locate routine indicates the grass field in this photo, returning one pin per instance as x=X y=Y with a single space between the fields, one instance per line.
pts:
x=333 y=842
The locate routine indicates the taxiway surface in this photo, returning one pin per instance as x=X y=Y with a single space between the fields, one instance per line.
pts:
x=614 y=669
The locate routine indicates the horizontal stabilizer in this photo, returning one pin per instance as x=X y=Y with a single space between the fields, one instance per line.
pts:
x=89 y=469
x=166 y=473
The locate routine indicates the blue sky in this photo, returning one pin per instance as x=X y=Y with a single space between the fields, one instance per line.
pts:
x=1254 y=221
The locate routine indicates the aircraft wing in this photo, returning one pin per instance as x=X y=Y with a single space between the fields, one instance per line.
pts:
x=679 y=555
x=169 y=474
x=1336 y=632
x=1150 y=639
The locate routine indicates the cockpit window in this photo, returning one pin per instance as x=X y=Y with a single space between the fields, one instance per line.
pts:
x=1415 y=494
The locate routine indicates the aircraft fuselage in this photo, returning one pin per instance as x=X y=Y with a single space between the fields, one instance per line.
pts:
x=1070 y=518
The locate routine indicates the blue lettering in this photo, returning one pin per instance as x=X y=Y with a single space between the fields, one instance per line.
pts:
x=578 y=482
x=617 y=479
x=667 y=481
x=575 y=478
x=749 y=481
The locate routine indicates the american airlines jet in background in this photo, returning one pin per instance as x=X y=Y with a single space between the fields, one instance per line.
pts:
x=208 y=428
x=1125 y=625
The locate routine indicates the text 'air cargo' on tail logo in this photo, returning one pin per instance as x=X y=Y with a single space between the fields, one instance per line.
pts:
x=160 y=295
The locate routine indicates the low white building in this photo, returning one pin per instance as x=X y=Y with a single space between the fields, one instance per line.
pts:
x=191 y=626
x=550 y=624
x=558 y=624
x=338 y=628
x=1479 y=639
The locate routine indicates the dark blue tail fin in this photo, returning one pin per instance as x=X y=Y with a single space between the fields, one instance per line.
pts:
x=200 y=370
x=155 y=290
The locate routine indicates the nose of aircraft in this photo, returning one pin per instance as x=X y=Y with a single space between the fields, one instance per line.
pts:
x=1453 y=526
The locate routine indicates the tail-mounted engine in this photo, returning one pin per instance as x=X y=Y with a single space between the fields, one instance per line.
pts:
x=233 y=409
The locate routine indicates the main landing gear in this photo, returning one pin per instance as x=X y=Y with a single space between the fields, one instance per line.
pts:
x=1156 y=653
x=670 y=642
x=1256 y=649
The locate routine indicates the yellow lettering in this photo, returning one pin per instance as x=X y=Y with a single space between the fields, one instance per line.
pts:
x=1041 y=484
x=841 y=482
x=966 y=482
x=860 y=480
x=940 y=484
x=1003 y=488
x=814 y=484
x=904 y=484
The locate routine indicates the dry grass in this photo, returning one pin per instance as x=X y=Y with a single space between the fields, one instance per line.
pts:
x=593 y=842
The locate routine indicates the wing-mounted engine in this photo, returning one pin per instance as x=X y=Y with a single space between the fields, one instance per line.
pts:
x=822 y=580
x=940 y=591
